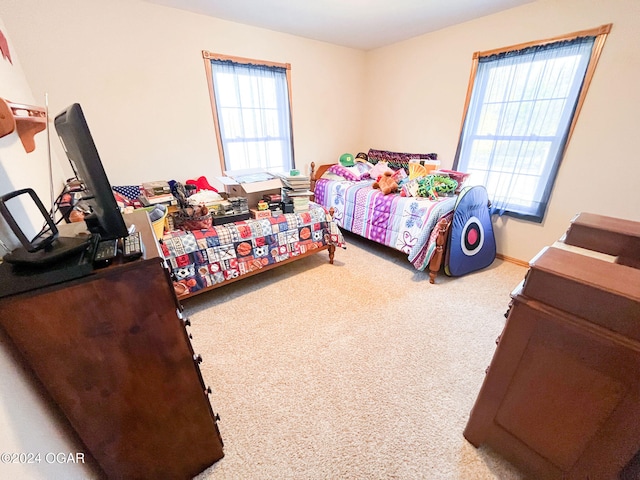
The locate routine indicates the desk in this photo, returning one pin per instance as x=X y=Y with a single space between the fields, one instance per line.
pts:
x=114 y=355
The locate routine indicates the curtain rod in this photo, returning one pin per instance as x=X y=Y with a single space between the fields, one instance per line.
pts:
x=247 y=61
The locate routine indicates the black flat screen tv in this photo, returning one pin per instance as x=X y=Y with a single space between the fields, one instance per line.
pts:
x=104 y=218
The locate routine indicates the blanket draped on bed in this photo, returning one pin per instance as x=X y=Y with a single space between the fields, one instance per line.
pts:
x=203 y=258
x=403 y=223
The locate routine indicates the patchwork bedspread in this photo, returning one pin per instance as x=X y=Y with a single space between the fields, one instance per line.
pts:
x=203 y=258
x=403 y=223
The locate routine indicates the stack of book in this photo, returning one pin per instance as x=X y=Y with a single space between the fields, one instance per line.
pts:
x=154 y=193
x=274 y=200
x=296 y=191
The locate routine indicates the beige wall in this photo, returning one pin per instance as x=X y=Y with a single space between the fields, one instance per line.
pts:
x=19 y=169
x=137 y=70
x=418 y=107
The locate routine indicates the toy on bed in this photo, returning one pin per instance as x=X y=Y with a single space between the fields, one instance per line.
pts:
x=378 y=199
x=386 y=183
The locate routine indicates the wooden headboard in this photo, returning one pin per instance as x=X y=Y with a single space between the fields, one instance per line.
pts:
x=317 y=173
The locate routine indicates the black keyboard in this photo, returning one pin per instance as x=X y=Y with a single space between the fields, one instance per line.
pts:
x=132 y=246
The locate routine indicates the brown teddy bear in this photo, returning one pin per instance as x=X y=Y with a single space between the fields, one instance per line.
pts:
x=386 y=183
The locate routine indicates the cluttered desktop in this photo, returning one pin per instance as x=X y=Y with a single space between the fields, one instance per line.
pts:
x=54 y=254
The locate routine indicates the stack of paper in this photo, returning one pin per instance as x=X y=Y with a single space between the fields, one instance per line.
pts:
x=296 y=190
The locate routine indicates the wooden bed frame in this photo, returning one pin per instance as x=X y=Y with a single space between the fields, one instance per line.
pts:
x=443 y=227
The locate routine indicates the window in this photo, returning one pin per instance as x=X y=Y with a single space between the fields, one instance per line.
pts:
x=251 y=104
x=521 y=108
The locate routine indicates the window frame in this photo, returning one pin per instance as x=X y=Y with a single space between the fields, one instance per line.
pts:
x=600 y=33
x=207 y=57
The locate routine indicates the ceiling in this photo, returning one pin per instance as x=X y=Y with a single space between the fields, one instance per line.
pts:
x=361 y=24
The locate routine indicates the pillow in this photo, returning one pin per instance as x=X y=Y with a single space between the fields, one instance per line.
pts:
x=359 y=171
x=363 y=168
x=328 y=175
x=379 y=169
x=398 y=160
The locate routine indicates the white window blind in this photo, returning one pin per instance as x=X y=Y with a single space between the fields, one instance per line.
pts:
x=253 y=115
x=518 y=121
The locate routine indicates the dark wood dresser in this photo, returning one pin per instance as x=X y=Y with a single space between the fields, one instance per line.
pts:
x=112 y=351
x=561 y=398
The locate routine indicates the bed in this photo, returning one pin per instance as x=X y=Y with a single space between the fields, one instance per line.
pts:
x=416 y=226
x=202 y=260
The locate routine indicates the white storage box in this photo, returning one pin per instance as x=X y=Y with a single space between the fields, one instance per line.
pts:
x=251 y=183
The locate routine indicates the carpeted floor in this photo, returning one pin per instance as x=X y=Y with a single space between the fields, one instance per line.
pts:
x=357 y=370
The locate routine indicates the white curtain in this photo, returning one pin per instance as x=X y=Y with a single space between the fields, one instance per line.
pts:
x=516 y=127
x=254 y=116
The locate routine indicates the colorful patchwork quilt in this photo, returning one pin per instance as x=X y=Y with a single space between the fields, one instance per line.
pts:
x=203 y=258
x=403 y=223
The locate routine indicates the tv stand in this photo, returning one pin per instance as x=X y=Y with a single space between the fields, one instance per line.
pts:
x=113 y=354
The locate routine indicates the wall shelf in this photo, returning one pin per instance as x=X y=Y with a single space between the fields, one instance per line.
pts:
x=26 y=119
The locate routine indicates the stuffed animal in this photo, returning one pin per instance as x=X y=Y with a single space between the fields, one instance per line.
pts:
x=201 y=184
x=386 y=183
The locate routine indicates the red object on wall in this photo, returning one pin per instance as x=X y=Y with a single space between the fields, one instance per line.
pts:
x=4 y=48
